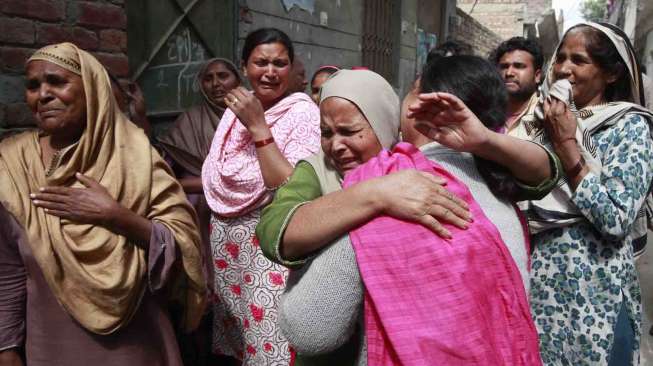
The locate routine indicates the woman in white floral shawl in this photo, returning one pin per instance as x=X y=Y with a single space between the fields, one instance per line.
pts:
x=585 y=296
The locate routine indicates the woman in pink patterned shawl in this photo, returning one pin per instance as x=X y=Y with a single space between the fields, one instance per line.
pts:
x=260 y=137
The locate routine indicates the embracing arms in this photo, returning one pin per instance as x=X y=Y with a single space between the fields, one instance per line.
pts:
x=409 y=195
x=301 y=220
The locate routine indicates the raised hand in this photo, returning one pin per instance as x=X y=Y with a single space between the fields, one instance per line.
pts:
x=248 y=109
x=559 y=121
x=446 y=119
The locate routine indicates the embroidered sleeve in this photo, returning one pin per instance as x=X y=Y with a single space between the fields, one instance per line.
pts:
x=611 y=199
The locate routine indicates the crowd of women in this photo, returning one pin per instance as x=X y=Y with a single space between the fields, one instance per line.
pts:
x=270 y=227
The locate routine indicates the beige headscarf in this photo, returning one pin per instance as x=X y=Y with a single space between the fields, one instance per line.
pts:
x=373 y=95
x=378 y=102
x=188 y=142
x=99 y=277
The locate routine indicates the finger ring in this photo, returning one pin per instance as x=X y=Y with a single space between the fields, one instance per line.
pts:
x=235 y=101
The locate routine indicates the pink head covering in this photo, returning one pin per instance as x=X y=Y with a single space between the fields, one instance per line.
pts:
x=231 y=175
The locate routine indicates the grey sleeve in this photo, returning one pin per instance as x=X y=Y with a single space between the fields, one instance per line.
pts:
x=323 y=301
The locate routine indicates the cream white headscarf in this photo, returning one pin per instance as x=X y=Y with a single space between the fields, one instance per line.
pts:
x=378 y=102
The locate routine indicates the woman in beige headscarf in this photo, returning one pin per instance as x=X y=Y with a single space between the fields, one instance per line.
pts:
x=98 y=238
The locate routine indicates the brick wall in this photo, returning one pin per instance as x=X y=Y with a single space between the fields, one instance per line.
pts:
x=468 y=30
x=506 y=17
x=26 y=25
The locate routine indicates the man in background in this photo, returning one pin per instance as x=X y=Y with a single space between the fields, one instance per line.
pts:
x=519 y=61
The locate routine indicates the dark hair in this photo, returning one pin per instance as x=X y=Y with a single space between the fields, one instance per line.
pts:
x=606 y=56
x=265 y=36
x=327 y=69
x=519 y=44
x=478 y=84
x=449 y=48
x=472 y=79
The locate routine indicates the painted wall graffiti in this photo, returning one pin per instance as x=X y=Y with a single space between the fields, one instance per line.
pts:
x=171 y=78
x=184 y=51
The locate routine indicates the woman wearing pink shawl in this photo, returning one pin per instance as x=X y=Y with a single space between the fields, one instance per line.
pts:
x=420 y=291
x=260 y=137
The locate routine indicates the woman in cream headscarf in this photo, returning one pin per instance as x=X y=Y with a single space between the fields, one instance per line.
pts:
x=585 y=296
x=312 y=211
x=107 y=239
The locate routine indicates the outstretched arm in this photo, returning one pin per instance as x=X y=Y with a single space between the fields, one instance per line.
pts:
x=444 y=118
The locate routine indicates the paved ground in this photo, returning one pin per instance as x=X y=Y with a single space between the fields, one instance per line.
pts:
x=645 y=267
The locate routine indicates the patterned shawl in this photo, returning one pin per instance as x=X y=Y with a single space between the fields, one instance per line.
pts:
x=189 y=140
x=99 y=277
x=231 y=175
x=557 y=209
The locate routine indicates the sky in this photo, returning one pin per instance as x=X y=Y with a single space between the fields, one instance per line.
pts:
x=571 y=11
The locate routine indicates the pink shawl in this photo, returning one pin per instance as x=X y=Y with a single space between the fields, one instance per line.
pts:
x=231 y=176
x=433 y=302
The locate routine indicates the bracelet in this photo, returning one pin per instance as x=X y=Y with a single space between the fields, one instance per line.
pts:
x=272 y=189
x=261 y=143
x=576 y=168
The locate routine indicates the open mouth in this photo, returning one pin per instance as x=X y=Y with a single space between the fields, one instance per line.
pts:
x=49 y=113
x=264 y=85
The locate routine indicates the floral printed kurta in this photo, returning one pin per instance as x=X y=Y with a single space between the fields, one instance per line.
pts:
x=247 y=287
x=584 y=273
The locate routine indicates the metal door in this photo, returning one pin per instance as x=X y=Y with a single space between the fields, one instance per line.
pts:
x=381 y=34
x=168 y=41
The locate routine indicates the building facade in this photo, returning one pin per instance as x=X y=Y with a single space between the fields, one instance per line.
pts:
x=26 y=25
x=532 y=19
x=161 y=43
x=635 y=17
